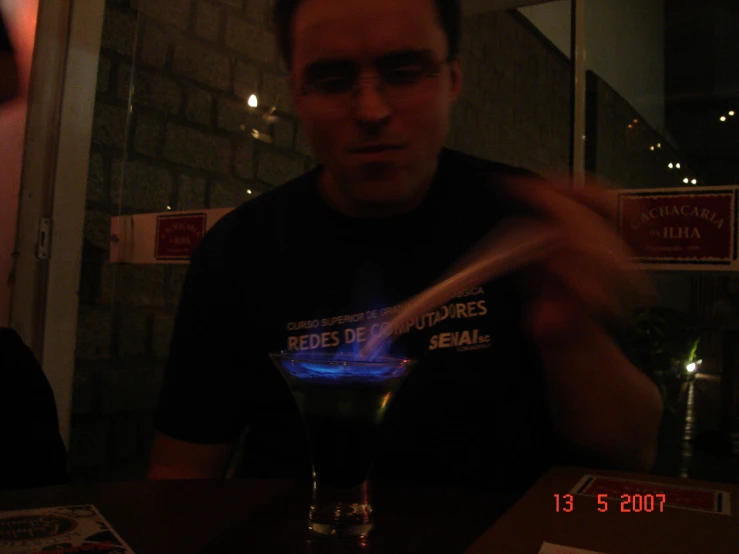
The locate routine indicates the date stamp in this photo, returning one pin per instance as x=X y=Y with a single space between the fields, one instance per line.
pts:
x=627 y=503
x=621 y=495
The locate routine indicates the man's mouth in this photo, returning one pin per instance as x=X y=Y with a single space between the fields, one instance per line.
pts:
x=375 y=148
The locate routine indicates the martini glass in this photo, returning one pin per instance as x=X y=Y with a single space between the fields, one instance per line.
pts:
x=343 y=402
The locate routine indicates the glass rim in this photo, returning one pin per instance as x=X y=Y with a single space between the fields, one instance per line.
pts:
x=339 y=359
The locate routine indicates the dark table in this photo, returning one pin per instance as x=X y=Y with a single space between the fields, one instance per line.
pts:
x=258 y=516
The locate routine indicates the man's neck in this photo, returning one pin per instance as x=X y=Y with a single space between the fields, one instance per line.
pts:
x=331 y=193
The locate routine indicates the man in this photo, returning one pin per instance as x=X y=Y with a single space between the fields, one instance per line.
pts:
x=512 y=376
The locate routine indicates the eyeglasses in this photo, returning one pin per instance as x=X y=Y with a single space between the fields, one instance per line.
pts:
x=331 y=85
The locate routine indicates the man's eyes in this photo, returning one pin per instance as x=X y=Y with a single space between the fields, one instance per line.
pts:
x=332 y=84
x=403 y=75
x=339 y=82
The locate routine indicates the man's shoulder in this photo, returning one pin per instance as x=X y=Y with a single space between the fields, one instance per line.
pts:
x=262 y=214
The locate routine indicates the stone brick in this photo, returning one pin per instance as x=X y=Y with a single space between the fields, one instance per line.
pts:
x=131 y=385
x=109 y=125
x=96 y=228
x=257 y=10
x=202 y=64
x=93 y=333
x=85 y=391
x=284 y=134
x=88 y=445
x=96 y=179
x=140 y=285
x=276 y=92
x=208 y=21
x=119 y=32
x=155 y=46
x=250 y=39
x=146 y=187
x=152 y=90
x=235 y=117
x=162 y=327
x=171 y=12
x=302 y=145
x=228 y=194
x=175 y=283
x=276 y=168
x=196 y=149
x=132 y=334
x=148 y=134
x=244 y=160
x=103 y=74
x=199 y=106
x=246 y=80
x=191 y=193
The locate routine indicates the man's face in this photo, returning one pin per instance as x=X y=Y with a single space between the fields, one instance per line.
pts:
x=372 y=86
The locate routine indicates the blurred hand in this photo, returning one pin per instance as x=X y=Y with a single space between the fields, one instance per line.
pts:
x=590 y=278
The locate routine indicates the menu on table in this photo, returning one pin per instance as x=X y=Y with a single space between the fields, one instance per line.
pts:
x=59 y=530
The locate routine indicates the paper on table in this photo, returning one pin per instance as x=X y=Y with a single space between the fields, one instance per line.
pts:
x=548 y=548
x=59 y=530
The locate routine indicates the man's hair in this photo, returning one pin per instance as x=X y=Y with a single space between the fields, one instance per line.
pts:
x=449 y=11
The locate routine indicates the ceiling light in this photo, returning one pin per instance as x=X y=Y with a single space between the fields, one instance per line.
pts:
x=677 y=166
x=253 y=102
x=732 y=113
x=671 y=165
x=723 y=118
x=686 y=180
x=694 y=181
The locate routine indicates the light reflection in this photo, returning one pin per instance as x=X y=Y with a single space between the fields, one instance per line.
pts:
x=385 y=400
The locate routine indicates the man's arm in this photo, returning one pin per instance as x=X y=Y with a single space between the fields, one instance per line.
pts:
x=600 y=402
x=175 y=459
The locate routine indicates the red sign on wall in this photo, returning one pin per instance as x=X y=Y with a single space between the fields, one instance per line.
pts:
x=679 y=227
x=178 y=235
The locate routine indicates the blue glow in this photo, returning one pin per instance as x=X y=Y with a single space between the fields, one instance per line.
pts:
x=336 y=369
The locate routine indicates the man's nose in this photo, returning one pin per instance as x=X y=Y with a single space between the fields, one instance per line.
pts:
x=370 y=105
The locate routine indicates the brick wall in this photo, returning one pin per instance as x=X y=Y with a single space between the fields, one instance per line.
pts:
x=515 y=104
x=181 y=144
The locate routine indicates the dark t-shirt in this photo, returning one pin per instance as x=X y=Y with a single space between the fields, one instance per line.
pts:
x=286 y=272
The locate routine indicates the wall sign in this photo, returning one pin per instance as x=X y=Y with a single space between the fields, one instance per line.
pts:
x=681 y=228
x=160 y=237
x=178 y=235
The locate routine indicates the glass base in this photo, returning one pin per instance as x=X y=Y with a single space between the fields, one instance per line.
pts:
x=340 y=513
